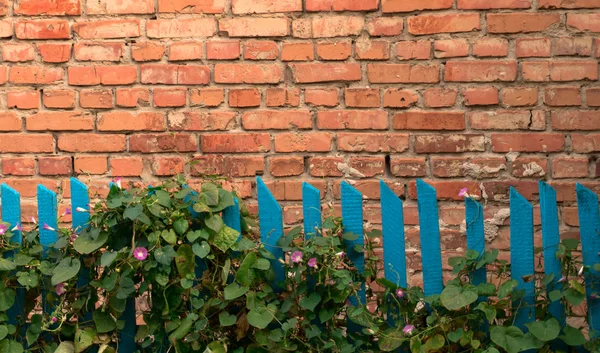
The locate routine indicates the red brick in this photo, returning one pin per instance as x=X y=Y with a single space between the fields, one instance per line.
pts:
x=119 y=7
x=325 y=166
x=440 y=97
x=352 y=120
x=59 y=99
x=498 y=4
x=42 y=29
x=575 y=120
x=20 y=166
x=55 y=52
x=584 y=21
x=303 y=142
x=585 y=143
x=182 y=51
x=191 y=6
x=385 y=26
x=277 y=120
x=90 y=164
x=310 y=73
x=286 y=166
x=449 y=143
x=3 y=74
x=533 y=47
x=35 y=75
x=426 y=120
x=100 y=98
x=126 y=167
x=538 y=71
x=261 y=50
x=55 y=165
x=446 y=189
x=341 y=5
x=448 y=23
x=297 y=51
x=23 y=99
x=231 y=166
x=570 y=168
x=255 y=26
x=170 y=74
x=368 y=167
x=575 y=4
x=413 y=50
x=508 y=120
x=448 y=167
x=107 y=29
x=539 y=142
x=181 y=28
x=372 y=50
x=529 y=167
x=520 y=22
x=18 y=52
x=339 y=50
x=265 y=6
x=59 y=121
x=410 y=5
x=520 y=96
x=593 y=96
x=327 y=97
x=279 y=97
x=10 y=121
x=399 y=98
x=47 y=7
x=201 y=121
x=487 y=47
x=133 y=97
x=105 y=75
x=244 y=97
x=98 y=51
x=481 y=71
x=581 y=46
x=209 y=97
x=403 y=73
x=158 y=143
x=236 y=143
x=362 y=97
x=248 y=73
x=562 y=96
x=408 y=167
x=372 y=142
x=451 y=48
x=335 y=26
x=147 y=51
x=170 y=97
x=91 y=143
x=167 y=166
x=223 y=50
x=129 y=121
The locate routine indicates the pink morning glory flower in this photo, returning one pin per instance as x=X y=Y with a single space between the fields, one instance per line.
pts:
x=408 y=329
x=80 y=209
x=67 y=212
x=60 y=289
x=463 y=192
x=117 y=182
x=140 y=253
x=47 y=227
x=73 y=236
x=400 y=293
x=54 y=320
x=2 y=229
x=312 y=262
x=17 y=228
x=296 y=256
x=562 y=279
x=340 y=254
x=33 y=220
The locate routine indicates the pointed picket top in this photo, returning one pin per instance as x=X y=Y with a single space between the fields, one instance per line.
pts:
x=271 y=226
x=392 y=224
x=521 y=256
x=311 y=209
x=352 y=220
x=11 y=211
x=47 y=215
x=431 y=251
x=550 y=241
x=589 y=229
x=475 y=235
x=80 y=204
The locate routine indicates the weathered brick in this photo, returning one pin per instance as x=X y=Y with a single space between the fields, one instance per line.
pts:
x=223 y=50
x=181 y=28
x=439 y=97
x=408 y=167
x=403 y=73
x=244 y=97
x=248 y=73
x=170 y=74
x=231 y=166
x=481 y=96
x=105 y=75
x=191 y=6
x=42 y=29
x=18 y=52
x=279 y=97
x=277 y=120
x=424 y=120
x=170 y=97
x=584 y=21
x=261 y=50
x=107 y=29
x=182 y=51
x=158 y=143
x=538 y=71
x=520 y=96
x=133 y=97
x=90 y=164
x=55 y=165
x=410 y=5
x=126 y=166
x=209 y=97
x=201 y=121
x=450 y=23
x=539 y=142
x=54 y=52
x=266 y=6
x=60 y=121
x=507 y=120
x=236 y=143
x=489 y=5
x=147 y=51
x=337 y=50
x=449 y=143
x=90 y=142
x=20 y=166
x=310 y=73
x=352 y=120
x=481 y=71
x=98 y=99
x=533 y=47
x=520 y=22
x=303 y=142
x=255 y=26
x=570 y=168
x=286 y=166
x=413 y=50
x=119 y=7
x=321 y=97
x=372 y=142
x=575 y=120
x=563 y=96
x=23 y=99
x=129 y=121
x=399 y=98
x=59 y=98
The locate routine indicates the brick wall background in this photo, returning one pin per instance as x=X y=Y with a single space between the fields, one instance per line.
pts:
x=480 y=93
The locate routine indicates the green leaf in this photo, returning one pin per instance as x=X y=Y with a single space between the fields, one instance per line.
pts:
x=225 y=239
x=508 y=338
x=201 y=207
x=226 y=319
x=107 y=258
x=506 y=288
x=544 y=330
x=434 y=343
x=454 y=336
x=225 y=200
x=104 y=321
x=245 y=275
x=10 y=346
x=183 y=328
x=3 y=332
x=456 y=297
x=163 y=197
x=214 y=223
x=183 y=193
x=211 y=194
x=555 y=295
x=326 y=314
x=185 y=260
x=201 y=250
x=133 y=211
x=391 y=339
x=262 y=264
x=574 y=297
x=165 y=255
x=65 y=347
x=571 y=244
x=86 y=243
x=260 y=317
x=169 y=236
x=577 y=286
x=7 y=265
x=572 y=336
x=181 y=226
x=490 y=312
x=84 y=339
x=27 y=279
x=234 y=290
x=215 y=347
x=66 y=269
x=310 y=302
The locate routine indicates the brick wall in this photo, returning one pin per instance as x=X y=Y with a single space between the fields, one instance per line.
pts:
x=483 y=93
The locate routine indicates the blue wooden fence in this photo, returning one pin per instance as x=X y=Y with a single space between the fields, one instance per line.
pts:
x=271 y=229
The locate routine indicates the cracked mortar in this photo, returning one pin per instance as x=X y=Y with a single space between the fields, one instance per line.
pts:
x=490 y=225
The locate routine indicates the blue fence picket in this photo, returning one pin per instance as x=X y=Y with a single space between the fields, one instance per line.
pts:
x=521 y=256
x=475 y=236
x=352 y=220
x=431 y=252
x=271 y=227
x=231 y=217
x=47 y=218
x=589 y=229
x=11 y=213
x=550 y=241
x=311 y=209
x=392 y=226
